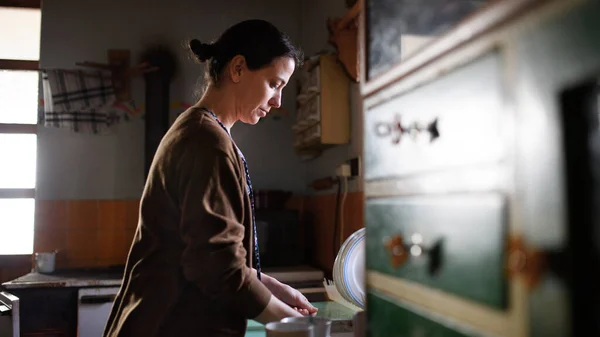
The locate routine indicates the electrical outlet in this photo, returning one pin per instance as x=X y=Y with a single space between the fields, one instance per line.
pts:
x=355 y=167
x=350 y=168
x=343 y=170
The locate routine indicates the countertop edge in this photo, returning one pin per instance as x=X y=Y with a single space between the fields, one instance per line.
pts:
x=61 y=283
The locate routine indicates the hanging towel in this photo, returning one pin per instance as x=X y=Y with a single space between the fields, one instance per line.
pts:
x=78 y=100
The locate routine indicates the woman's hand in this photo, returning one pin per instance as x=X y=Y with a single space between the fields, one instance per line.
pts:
x=294 y=299
x=289 y=295
x=275 y=311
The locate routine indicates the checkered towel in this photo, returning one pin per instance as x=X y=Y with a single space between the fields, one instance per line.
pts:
x=78 y=100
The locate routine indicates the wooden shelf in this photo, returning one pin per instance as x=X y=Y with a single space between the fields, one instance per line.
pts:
x=323 y=110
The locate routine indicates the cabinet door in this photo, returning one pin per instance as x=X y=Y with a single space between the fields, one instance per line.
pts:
x=387 y=317
x=93 y=309
x=454 y=243
x=397 y=29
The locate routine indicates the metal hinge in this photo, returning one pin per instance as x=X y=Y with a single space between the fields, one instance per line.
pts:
x=525 y=262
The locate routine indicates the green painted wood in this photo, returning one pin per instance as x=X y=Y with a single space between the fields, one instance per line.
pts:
x=559 y=53
x=467 y=105
x=471 y=230
x=389 y=318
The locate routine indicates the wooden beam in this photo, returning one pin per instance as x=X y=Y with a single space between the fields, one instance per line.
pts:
x=19 y=64
x=14 y=193
x=18 y=128
x=21 y=3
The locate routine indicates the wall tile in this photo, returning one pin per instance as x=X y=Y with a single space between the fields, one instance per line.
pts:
x=132 y=213
x=87 y=233
x=13 y=266
x=50 y=215
x=114 y=245
x=82 y=214
x=82 y=244
x=80 y=262
x=47 y=240
x=112 y=214
x=320 y=216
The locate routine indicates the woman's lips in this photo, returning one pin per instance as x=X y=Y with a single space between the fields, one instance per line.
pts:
x=263 y=113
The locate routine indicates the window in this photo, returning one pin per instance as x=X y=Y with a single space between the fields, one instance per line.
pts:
x=20 y=23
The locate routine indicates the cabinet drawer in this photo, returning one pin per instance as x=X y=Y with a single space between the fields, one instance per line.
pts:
x=454 y=121
x=452 y=243
x=387 y=317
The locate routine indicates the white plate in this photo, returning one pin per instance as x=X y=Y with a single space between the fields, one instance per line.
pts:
x=354 y=270
x=349 y=269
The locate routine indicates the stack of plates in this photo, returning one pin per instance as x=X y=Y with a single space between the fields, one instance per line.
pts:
x=349 y=269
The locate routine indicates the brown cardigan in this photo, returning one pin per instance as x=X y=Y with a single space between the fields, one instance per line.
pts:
x=188 y=271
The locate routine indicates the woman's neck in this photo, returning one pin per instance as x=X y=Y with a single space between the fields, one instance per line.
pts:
x=223 y=107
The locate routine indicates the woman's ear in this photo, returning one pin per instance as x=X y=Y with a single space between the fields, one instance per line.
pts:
x=237 y=68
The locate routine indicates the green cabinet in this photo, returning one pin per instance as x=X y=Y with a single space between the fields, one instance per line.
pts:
x=453 y=243
x=467 y=183
x=449 y=123
x=388 y=317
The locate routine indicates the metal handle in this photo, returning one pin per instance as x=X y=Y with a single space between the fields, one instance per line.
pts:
x=397 y=129
x=95 y=299
x=5 y=310
x=400 y=252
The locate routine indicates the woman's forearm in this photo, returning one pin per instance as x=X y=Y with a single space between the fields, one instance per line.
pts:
x=267 y=280
x=276 y=309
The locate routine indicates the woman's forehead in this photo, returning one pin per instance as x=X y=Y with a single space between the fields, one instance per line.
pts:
x=282 y=67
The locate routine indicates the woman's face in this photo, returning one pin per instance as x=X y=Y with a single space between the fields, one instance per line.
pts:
x=258 y=91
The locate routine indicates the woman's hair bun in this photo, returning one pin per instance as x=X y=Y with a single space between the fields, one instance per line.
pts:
x=202 y=51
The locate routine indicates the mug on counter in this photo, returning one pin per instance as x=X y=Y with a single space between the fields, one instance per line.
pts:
x=283 y=329
x=45 y=262
x=321 y=325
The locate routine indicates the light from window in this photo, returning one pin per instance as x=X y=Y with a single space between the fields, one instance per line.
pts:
x=19 y=96
x=18 y=153
x=20 y=33
x=16 y=226
x=20 y=30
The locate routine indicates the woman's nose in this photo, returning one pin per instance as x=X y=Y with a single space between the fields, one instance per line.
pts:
x=275 y=102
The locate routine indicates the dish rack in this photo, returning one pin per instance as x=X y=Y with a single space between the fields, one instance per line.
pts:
x=334 y=295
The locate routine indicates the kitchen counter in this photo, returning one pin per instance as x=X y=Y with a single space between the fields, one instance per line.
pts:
x=342 y=325
x=97 y=277
x=112 y=276
x=341 y=316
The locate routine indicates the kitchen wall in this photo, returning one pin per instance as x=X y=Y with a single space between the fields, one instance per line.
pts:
x=88 y=186
x=314 y=36
x=319 y=206
x=76 y=166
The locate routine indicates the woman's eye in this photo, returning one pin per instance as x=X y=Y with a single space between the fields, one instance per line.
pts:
x=273 y=85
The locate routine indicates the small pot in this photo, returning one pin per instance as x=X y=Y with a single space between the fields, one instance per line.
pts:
x=45 y=262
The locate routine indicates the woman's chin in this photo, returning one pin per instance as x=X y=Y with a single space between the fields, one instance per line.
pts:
x=252 y=120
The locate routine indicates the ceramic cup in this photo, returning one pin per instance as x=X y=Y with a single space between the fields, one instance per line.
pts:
x=281 y=329
x=45 y=262
x=322 y=326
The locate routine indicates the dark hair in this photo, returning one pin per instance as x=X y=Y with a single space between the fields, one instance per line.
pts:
x=258 y=41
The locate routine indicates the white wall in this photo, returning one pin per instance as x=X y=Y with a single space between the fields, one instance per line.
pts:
x=79 y=166
x=314 y=36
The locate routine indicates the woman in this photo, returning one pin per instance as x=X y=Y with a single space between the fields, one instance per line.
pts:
x=189 y=271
